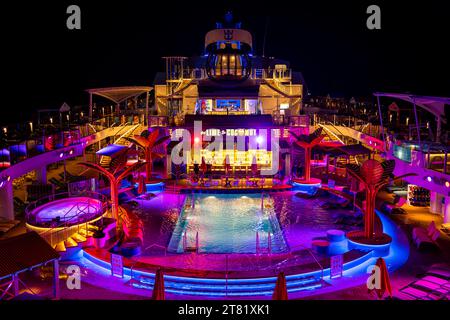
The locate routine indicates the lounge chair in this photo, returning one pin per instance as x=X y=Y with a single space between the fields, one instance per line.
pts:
x=426 y=238
x=438 y=271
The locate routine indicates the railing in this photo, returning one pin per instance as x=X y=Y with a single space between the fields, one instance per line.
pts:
x=277 y=119
x=28 y=148
x=349 y=122
x=158 y=121
x=292 y=121
x=154 y=245
x=256 y=73
x=429 y=155
x=311 y=254
x=281 y=74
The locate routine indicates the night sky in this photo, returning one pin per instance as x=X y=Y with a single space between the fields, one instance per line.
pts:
x=122 y=42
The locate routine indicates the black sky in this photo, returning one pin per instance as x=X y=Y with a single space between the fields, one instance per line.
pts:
x=121 y=43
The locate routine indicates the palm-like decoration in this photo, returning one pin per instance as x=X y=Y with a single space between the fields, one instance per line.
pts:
x=307 y=142
x=148 y=144
x=115 y=176
x=373 y=175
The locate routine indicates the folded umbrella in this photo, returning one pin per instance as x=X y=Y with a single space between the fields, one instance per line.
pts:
x=280 y=292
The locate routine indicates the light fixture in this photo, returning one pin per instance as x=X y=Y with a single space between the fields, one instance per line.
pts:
x=447 y=184
x=259 y=139
x=429 y=179
x=196 y=140
x=4 y=180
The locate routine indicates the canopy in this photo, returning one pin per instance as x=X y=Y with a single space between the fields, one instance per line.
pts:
x=111 y=150
x=434 y=105
x=119 y=94
x=23 y=252
x=349 y=150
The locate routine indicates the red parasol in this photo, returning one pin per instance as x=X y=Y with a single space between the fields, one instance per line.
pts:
x=227 y=164
x=203 y=165
x=158 y=288
x=280 y=292
x=254 y=166
x=384 y=282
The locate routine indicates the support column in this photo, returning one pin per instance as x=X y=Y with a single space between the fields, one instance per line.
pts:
x=117 y=109
x=447 y=209
x=438 y=129
x=435 y=202
x=146 y=110
x=307 y=170
x=56 y=291
x=288 y=166
x=90 y=107
x=16 y=285
x=41 y=175
x=369 y=215
x=168 y=166
x=6 y=201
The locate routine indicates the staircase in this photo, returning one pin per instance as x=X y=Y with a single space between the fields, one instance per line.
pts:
x=134 y=130
x=105 y=162
x=79 y=238
x=230 y=288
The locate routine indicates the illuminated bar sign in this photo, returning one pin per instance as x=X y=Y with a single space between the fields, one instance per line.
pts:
x=230 y=132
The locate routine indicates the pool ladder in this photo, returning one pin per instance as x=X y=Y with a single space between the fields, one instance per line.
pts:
x=269 y=243
x=190 y=249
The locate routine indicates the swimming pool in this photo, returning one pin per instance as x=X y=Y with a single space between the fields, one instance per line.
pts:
x=228 y=223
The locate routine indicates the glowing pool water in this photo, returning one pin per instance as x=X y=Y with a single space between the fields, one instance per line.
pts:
x=228 y=223
x=70 y=210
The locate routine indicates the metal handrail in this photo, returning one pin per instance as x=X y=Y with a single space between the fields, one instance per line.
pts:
x=122 y=126
x=150 y=246
x=134 y=127
x=311 y=254
x=67 y=223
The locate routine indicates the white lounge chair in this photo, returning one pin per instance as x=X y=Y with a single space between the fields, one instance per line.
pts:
x=426 y=238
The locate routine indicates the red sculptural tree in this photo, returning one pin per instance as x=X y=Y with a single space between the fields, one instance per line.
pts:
x=307 y=142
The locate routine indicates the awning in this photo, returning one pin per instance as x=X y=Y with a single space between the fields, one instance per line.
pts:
x=119 y=94
x=23 y=252
x=243 y=121
x=349 y=150
x=434 y=105
x=111 y=150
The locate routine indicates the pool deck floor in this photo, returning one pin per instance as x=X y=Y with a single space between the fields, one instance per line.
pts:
x=101 y=286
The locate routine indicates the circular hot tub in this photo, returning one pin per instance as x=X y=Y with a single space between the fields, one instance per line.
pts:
x=48 y=211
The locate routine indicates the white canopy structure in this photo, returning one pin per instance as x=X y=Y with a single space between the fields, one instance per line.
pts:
x=434 y=105
x=118 y=95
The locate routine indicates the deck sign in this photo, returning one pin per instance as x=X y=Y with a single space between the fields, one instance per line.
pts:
x=116 y=265
x=336 y=266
